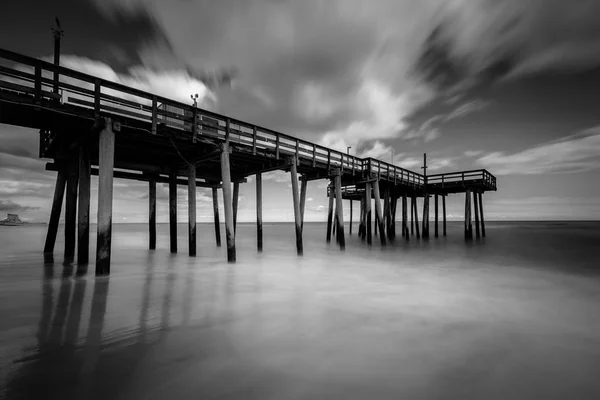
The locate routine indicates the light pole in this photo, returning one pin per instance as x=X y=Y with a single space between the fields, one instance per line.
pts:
x=195 y=99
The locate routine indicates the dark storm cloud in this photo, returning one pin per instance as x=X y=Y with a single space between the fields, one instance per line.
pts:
x=481 y=41
x=116 y=39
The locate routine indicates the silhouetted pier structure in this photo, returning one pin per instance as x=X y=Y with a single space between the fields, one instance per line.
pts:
x=91 y=126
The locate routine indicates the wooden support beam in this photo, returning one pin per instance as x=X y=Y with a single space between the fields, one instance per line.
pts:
x=259 y=230
x=394 y=213
x=143 y=177
x=71 y=208
x=468 y=226
x=303 y=184
x=227 y=203
x=192 y=210
x=350 y=224
x=83 y=216
x=217 y=223
x=376 y=223
x=379 y=211
x=296 y=200
x=476 y=209
x=436 y=216
x=368 y=212
x=481 y=214
x=173 y=212
x=330 y=214
x=236 y=196
x=405 y=216
x=339 y=208
x=387 y=213
x=106 y=161
x=425 y=232
x=59 y=193
x=412 y=215
x=362 y=217
x=444 y=213
x=416 y=215
x=403 y=222
x=152 y=214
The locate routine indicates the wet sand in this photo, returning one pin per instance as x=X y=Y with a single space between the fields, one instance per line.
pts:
x=493 y=319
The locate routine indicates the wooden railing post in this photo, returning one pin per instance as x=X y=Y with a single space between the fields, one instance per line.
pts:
x=194 y=124
x=227 y=129
x=277 y=147
x=38 y=84
x=97 y=98
x=254 y=140
x=154 y=115
x=314 y=156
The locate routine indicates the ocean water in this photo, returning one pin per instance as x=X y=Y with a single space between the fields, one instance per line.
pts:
x=514 y=315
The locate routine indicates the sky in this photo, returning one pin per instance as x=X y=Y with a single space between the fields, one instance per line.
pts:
x=511 y=86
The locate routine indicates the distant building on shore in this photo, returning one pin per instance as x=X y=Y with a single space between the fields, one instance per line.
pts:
x=12 y=219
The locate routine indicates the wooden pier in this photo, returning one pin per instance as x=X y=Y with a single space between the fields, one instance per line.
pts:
x=91 y=126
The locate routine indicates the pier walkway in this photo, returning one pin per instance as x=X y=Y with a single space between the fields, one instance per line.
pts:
x=91 y=126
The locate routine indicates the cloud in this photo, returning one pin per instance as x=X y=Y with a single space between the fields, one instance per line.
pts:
x=474 y=41
x=473 y=153
x=276 y=176
x=172 y=84
x=579 y=152
x=11 y=206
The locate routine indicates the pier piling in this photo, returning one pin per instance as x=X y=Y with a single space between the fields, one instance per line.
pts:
x=236 y=196
x=227 y=203
x=368 y=212
x=350 y=223
x=192 y=210
x=259 y=229
x=296 y=199
x=468 y=226
x=173 y=211
x=57 y=201
x=405 y=216
x=83 y=206
x=481 y=214
x=416 y=215
x=425 y=231
x=303 y=184
x=436 y=216
x=330 y=213
x=339 y=209
x=444 y=213
x=476 y=209
x=412 y=215
x=71 y=208
x=106 y=160
x=217 y=223
x=378 y=211
x=152 y=214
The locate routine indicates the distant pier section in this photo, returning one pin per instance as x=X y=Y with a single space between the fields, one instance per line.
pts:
x=91 y=126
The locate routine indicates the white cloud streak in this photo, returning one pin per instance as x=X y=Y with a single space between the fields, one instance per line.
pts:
x=579 y=152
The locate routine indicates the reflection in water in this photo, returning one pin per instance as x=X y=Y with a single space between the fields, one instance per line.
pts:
x=67 y=367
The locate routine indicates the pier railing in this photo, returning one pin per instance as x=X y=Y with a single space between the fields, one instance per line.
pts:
x=463 y=178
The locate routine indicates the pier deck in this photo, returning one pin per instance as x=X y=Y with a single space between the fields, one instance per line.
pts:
x=89 y=125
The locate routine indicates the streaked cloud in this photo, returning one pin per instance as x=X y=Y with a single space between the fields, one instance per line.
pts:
x=579 y=152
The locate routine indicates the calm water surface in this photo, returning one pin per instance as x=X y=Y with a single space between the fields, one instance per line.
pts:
x=516 y=315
